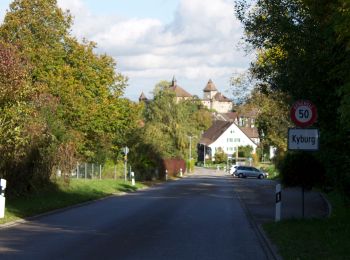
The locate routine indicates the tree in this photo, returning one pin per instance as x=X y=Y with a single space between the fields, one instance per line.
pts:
x=304 y=54
x=220 y=156
x=167 y=128
x=22 y=132
x=85 y=85
x=78 y=92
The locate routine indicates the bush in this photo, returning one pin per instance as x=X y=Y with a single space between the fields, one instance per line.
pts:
x=301 y=169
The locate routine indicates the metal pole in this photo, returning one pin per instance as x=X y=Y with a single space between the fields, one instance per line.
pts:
x=190 y=148
x=77 y=170
x=100 y=171
x=125 y=167
x=115 y=171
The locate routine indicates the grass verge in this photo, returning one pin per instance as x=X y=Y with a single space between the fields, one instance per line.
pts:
x=60 y=195
x=314 y=238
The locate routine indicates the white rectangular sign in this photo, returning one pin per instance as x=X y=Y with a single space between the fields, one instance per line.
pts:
x=303 y=139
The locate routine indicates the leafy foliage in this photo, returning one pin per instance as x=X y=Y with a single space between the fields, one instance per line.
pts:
x=67 y=99
x=220 y=156
x=167 y=127
x=303 y=53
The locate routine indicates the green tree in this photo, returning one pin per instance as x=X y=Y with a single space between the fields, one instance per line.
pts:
x=303 y=53
x=84 y=84
x=78 y=92
x=220 y=156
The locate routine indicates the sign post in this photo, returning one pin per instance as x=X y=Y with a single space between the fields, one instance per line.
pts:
x=304 y=114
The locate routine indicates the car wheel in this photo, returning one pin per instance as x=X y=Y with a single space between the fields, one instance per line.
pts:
x=261 y=176
x=240 y=175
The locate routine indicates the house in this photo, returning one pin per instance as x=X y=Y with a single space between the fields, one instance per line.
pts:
x=180 y=93
x=226 y=136
x=213 y=99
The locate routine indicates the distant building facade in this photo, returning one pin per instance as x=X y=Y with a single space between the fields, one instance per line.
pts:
x=214 y=100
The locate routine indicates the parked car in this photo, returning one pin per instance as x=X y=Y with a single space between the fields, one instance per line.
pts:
x=232 y=169
x=249 y=171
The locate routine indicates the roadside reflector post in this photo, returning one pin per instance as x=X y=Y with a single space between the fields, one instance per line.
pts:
x=166 y=175
x=2 y=197
x=180 y=172
x=278 y=203
x=132 y=178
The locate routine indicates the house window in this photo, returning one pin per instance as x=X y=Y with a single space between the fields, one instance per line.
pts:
x=237 y=140
x=229 y=140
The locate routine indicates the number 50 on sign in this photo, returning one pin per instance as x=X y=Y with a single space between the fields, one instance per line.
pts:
x=303 y=113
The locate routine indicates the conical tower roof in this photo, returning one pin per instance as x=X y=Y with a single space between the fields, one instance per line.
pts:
x=143 y=97
x=210 y=86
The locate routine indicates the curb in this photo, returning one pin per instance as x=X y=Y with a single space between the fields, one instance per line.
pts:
x=328 y=204
x=269 y=249
x=51 y=212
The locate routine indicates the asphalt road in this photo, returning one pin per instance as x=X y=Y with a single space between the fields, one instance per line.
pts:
x=198 y=217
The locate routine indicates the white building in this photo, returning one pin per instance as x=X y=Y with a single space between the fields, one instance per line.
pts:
x=225 y=136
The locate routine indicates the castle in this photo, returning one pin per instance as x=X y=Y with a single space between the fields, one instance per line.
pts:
x=212 y=98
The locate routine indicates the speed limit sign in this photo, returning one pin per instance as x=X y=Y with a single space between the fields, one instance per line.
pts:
x=303 y=113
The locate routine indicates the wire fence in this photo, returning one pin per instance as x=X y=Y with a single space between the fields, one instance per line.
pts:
x=95 y=171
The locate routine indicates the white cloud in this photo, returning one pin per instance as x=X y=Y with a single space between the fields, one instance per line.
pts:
x=200 y=43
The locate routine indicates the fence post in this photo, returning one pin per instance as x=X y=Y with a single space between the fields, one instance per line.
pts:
x=100 y=171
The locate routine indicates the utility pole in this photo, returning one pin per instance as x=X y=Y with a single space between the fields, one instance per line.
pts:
x=190 y=147
x=125 y=151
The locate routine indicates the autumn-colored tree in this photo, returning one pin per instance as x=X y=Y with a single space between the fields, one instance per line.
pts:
x=78 y=92
x=84 y=84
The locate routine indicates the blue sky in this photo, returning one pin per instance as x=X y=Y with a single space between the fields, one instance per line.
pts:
x=153 y=40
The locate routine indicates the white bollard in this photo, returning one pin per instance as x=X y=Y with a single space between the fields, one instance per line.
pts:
x=278 y=203
x=166 y=175
x=132 y=178
x=180 y=172
x=2 y=197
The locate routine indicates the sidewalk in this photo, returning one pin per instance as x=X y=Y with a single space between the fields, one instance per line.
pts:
x=259 y=198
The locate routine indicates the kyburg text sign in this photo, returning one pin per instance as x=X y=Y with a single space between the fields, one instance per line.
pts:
x=306 y=139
